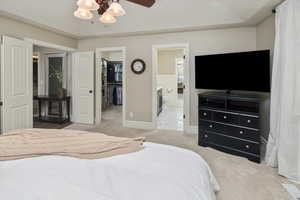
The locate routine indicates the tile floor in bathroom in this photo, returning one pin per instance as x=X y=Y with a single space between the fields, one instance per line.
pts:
x=171 y=118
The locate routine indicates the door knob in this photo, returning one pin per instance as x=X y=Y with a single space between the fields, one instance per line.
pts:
x=91 y=91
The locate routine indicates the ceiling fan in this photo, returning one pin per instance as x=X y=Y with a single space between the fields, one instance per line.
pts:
x=107 y=9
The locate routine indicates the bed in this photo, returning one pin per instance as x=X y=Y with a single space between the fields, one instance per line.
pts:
x=156 y=172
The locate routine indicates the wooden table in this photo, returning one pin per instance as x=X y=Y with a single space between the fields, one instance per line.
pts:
x=50 y=99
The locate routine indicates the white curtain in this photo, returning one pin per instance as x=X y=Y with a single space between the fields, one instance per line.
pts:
x=283 y=149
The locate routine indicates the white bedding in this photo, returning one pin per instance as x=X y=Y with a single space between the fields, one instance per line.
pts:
x=158 y=172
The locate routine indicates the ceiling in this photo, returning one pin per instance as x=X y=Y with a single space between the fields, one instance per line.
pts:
x=164 y=16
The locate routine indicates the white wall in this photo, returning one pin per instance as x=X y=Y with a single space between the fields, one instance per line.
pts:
x=18 y=29
x=139 y=87
x=167 y=61
x=266 y=35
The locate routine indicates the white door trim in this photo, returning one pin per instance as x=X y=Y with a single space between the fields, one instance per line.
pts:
x=40 y=73
x=49 y=45
x=155 y=49
x=98 y=82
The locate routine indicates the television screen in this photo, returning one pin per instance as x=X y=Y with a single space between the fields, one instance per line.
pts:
x=245 y=71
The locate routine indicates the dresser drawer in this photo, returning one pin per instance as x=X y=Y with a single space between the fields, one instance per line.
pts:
x=204 y=114
x=211 y=126
x=232 y=143
x=251 y=122
x=225 y=117
x=243 y=133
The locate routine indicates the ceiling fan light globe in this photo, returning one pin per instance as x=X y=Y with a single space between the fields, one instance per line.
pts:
x=116 y=9
x=107 y=18
x=83 y=14
x=88 y=4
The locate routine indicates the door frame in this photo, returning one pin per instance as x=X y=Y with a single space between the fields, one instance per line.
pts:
x=98 y=82
x=50 y=45
x=40 y=74
x=43 y=79
x=186 y=109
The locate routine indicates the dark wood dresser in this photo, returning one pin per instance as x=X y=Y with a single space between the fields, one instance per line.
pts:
x=231 y=123
x=50 y=116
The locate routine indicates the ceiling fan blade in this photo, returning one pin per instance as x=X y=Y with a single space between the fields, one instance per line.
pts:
x=146 y=3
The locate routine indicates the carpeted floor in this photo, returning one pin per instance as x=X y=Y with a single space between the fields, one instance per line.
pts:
x=239 y=178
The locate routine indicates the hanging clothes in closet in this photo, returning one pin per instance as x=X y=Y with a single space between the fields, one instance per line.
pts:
x=117 y=95
x=118 y=72
x=114 y=83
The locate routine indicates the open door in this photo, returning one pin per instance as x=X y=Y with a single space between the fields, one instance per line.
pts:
x=16 y=84
x=83 y=87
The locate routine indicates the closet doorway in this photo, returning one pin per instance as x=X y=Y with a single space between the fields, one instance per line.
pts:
x=110 y=84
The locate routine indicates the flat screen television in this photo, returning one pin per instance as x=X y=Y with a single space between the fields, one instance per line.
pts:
x=244 y=71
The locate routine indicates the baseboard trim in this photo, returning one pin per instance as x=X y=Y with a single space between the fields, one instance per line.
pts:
x=192 y=130
x=139 y=124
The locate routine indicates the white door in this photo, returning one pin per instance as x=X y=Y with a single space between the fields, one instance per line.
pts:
x=16 y=82
x=83 y=87
x=186 y=90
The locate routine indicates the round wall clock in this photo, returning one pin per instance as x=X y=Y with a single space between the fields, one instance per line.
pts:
x=138 y=66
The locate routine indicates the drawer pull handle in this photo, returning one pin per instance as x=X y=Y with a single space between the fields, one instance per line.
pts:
x=210 y=126
x=247 y=147
x=204 y=114
x=206 y=136
x=249 y=121
x=225 y=117
x=241 y=132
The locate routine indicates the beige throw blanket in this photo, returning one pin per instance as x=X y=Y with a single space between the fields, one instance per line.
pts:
x=28 y=143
